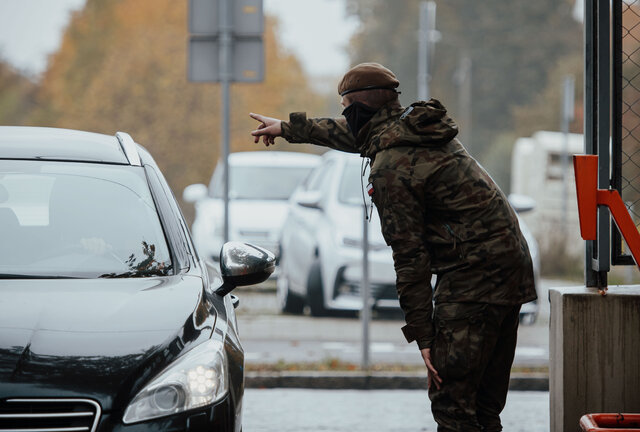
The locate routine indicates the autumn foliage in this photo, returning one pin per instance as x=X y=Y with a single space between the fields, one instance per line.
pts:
x=122 y=66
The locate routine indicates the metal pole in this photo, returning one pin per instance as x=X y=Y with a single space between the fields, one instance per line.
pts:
x=590 y=111
x=422 y=53
x=366 y=295
x=462 y=78
x=567 y=117
x=603 y=117
x=425 y=46
x=225 y=82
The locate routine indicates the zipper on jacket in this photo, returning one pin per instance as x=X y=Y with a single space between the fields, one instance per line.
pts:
x=450 y=231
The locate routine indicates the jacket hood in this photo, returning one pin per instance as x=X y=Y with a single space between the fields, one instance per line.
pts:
x=422 y=124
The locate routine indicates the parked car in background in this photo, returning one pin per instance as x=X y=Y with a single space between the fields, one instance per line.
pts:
x=321 y=260
x=108 y=319
x=523 y=204
x=259 y=187
x=321 y=246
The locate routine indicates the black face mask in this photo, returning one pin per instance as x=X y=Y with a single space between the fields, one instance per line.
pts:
x=357 y=115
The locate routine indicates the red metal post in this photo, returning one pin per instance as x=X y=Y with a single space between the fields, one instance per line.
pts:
x=585 y=168
x=590 y=197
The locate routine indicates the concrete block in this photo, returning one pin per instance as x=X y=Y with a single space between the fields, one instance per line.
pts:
x=594 y=353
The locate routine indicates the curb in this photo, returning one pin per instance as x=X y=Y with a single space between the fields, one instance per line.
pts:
x=371 y=381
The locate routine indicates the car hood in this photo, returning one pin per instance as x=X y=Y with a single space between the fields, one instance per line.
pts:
x=100 y=338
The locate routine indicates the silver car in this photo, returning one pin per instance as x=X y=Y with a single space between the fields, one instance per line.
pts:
x=321 y=244
x=260 y=185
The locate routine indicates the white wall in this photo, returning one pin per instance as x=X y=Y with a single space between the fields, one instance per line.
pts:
x=536 y=171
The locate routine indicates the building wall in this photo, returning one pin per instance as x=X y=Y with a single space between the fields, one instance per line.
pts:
x=537 y=171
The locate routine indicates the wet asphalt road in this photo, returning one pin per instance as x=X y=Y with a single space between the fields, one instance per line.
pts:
x=294 y=410
x=270 y=337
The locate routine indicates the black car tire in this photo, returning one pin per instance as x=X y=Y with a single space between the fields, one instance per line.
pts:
x=288 y=302
x=315 y=293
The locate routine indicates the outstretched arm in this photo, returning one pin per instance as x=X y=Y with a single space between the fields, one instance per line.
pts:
x=327 y=132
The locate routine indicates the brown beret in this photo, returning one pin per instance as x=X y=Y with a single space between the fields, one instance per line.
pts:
x=367 y=76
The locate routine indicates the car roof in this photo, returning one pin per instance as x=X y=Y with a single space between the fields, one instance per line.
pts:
x=273 y=158
x=340 y=155
x=43 y=143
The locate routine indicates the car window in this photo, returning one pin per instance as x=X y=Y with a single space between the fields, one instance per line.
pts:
x=311 y=178
x=260 y=182
x=171 y=218
x=320 y=177
x=68 y=219
x=351 y=182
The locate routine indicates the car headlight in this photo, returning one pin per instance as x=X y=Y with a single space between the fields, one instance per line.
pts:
x=196 y=379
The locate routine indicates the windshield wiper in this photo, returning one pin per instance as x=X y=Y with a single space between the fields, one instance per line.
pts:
x=32 y=276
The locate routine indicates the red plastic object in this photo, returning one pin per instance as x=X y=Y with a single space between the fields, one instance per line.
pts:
x=585 y=168
x=590 y=197
x=610 y=422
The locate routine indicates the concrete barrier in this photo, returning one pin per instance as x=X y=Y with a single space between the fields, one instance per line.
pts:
x=594 y=353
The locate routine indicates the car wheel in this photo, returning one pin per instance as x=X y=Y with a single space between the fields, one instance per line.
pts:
x=288 y=302
x=315 y=293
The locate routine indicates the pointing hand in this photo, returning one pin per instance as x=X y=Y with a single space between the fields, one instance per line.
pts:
x=269 y=129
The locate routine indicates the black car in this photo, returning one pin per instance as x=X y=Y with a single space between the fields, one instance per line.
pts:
x=109 y=321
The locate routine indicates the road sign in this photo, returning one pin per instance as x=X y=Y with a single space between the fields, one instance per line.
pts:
x=225 y=46
x=245 y=17
x=247 y=59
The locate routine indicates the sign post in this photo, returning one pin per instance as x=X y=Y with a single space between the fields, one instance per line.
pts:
x=366 y=292
x=226 y=46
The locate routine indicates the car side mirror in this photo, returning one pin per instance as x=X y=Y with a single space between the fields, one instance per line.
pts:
x=522 y=203
x=194 y=192
x=309 y=199
x=244 y=264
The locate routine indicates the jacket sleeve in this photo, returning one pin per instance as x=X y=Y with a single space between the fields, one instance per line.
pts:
x=402 y=220
x=327 y=132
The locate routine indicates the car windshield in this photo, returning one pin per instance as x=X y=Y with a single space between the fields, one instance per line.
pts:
x=68 y=219
x=350 y=191
x=260 y=182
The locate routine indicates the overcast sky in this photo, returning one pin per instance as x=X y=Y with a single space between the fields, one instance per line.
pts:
x=315 y=30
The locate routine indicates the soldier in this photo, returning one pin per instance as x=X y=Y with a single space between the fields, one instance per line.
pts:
x=441 y=213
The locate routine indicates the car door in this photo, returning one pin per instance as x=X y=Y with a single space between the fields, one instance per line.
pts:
x=299 y=236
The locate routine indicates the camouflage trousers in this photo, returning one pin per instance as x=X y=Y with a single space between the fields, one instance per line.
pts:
x=473 y=352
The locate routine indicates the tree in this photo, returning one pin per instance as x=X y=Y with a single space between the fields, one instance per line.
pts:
x=17 y=95
x=122 y=66
x=512 y=45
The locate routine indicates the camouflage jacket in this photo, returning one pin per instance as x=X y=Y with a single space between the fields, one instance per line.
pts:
x=440 y=211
